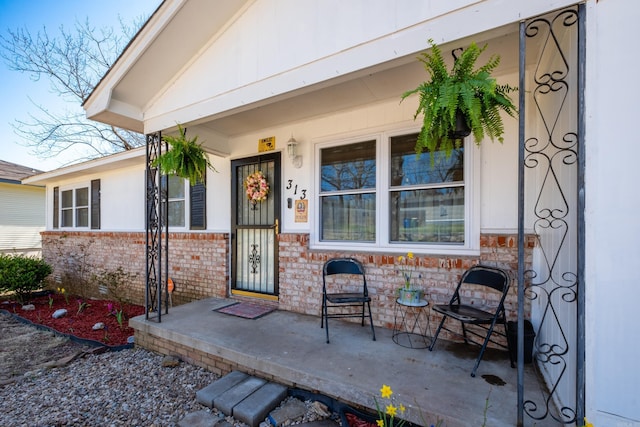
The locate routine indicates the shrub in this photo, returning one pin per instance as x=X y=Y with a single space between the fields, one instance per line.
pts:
x=22 y=275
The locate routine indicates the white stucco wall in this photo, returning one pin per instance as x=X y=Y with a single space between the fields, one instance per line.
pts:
x=612 y=206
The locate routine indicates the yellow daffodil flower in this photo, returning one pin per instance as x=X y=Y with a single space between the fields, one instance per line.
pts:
x=402 y=408
x=386 y=391
x=391 y=410
x=587 y=423
x=380 y=423
x=410 y=255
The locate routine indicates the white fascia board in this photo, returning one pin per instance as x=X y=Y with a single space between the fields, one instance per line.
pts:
x=100 y=100
x=114 y=161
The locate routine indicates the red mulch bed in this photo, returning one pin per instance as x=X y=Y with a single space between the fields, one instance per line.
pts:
x=80 y=324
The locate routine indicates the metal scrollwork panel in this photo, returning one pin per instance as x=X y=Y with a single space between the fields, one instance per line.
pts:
x=551 y=162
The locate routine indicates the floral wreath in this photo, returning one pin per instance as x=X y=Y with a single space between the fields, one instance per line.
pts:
x=257 y=187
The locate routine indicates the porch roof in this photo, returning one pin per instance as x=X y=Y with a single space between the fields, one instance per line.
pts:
x=383 y=68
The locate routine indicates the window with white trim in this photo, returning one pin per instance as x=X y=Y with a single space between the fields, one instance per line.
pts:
x=375 y=192
x=186 y=203
x=77 y=207
x=74 y=207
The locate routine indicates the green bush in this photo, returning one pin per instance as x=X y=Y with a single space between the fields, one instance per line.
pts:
x=22 y=275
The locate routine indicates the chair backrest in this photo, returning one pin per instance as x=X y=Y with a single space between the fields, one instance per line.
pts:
x=343 y=266
x=482 y=275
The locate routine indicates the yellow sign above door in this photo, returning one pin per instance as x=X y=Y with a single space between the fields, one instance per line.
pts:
x=267 y=144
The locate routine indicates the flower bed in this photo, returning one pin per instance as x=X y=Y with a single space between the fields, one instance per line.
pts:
x=82 y=315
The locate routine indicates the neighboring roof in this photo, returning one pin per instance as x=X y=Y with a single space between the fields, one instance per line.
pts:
x=13 y=173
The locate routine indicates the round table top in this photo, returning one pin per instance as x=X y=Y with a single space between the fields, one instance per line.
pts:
x=421 y=303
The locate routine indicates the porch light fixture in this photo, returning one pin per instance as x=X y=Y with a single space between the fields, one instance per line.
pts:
x=292 y=151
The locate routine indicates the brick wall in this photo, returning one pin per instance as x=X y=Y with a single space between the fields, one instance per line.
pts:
x=301 y=275
x=198 y=265
x=197 y=262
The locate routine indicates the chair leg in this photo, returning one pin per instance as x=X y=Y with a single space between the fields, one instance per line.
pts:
x=484 y=347
x=373 y=332
x=435 y=336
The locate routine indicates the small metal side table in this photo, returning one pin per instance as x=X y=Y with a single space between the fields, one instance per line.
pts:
x=411 y=324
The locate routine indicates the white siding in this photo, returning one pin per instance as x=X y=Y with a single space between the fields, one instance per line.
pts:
x=612 y=206
x=21 y=217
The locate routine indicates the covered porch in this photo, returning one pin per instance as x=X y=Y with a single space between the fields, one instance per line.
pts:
x=290 y=348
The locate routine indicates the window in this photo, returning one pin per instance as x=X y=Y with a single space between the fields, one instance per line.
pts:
x=375 y=192
x=347 y=192
x=426 y=200
x=77 y=207
x=176 y=200
x=182 y=207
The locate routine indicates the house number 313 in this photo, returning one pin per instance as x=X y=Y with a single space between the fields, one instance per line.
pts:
x=291 y=185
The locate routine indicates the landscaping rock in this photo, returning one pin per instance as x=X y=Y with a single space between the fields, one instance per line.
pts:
x=98 y=326
x=28 y=307
x=170 y=362
x=287 y=413
x=59 y=313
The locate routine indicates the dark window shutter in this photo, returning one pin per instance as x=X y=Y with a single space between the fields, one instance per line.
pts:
x=198 y=201
x=95 y=204
x=56 y=207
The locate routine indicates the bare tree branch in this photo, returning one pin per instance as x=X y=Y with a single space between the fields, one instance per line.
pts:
x=73 y=62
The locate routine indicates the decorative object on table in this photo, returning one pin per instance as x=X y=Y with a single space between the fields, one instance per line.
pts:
x=257 y=187
x=461 y=101
x=408 y=293
x=186 y=158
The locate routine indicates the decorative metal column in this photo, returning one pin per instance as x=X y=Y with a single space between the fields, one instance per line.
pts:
x=551 y=199
x=156 y=225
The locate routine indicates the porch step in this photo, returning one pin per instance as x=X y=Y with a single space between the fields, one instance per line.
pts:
x=246 y=398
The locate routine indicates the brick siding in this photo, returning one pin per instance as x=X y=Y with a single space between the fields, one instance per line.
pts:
x=198 y=265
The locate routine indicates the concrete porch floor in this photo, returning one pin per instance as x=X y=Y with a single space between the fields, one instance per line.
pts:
x=291 y=348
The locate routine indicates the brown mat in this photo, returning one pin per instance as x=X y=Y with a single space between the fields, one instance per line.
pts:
x=247 y=310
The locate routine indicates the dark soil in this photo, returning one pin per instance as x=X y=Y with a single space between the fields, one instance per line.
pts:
x=82 y=315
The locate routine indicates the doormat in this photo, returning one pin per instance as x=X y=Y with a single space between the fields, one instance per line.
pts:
x=247 y=310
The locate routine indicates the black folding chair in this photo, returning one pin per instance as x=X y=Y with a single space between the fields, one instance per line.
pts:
x=352 y=270
x=477 y=279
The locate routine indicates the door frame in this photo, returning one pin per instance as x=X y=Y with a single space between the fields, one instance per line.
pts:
x=275 y=193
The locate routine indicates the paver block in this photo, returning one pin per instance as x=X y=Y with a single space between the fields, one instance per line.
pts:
x=230 y=398
x=210 y=393
x=255 y=408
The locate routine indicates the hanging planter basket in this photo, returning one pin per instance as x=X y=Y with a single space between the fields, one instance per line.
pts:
x=458 y=102
x=186 y=158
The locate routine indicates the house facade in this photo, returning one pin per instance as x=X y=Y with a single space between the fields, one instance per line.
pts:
x=311 y=98
x=22 y=215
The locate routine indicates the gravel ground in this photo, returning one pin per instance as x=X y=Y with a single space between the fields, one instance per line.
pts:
x=123 y=388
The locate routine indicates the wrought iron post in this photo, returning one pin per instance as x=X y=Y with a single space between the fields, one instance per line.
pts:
x=553 y=153
x=156 y=223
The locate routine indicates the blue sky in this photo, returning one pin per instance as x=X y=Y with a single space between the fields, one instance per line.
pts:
x=17 y=88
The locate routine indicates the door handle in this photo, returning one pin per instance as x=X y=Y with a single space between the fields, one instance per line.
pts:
x=276 y=227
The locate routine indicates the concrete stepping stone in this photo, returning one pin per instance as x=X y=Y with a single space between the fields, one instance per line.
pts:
x=255 y=408
x=210 y=393
x=230 y=398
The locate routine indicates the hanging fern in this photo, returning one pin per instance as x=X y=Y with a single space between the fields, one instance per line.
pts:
x=185 y=158
x=471 y=92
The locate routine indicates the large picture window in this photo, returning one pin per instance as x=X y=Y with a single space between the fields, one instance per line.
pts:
x=377 y=193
